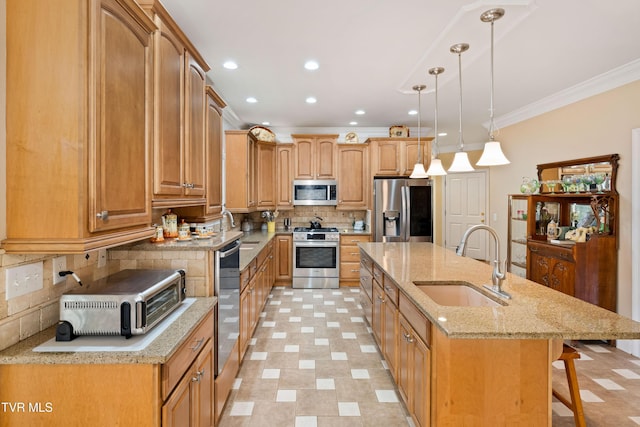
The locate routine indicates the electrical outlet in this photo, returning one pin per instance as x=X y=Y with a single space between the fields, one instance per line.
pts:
x=102 y=258
x=59 y=264
x=23 y=279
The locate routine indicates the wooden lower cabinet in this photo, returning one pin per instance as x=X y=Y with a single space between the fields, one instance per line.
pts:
x=350 y=258
x=179 y=392
x=449 y=382
x=283 y=249
x=414 y=372
x=191 y=402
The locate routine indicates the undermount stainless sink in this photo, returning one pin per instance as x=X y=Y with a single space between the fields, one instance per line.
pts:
x=248 y=245
x=456 y=294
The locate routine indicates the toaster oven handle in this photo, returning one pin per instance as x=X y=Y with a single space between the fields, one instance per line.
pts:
x=125 y=319
x=141 y=314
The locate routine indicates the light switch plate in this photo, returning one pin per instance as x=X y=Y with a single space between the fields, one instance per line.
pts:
x=23 y=279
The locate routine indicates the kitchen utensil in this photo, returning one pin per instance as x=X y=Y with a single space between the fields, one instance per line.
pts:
x=316 y=224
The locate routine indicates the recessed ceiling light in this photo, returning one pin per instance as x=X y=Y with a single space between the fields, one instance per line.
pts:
x=359 y=112
x=442 y=134
x=230 y=65
x=311 y=65
x=311 y=100
x=266 y=123
x=251 y=100
x=353 y=123
x=413 y=112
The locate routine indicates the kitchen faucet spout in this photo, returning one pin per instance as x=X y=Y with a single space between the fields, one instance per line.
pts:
x=497 y=275
x=225 y=211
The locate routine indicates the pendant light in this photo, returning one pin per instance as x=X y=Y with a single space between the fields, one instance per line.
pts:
x=461 y=159
x=435 y=167
x=492 y=154
x=418 y=168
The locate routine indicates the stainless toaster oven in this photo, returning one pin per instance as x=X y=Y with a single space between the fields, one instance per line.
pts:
x=126 y=303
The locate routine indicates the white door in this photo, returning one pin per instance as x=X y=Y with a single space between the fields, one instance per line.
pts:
x=465 y=206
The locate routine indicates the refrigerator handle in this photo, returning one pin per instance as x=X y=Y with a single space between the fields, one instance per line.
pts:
x=406 y=209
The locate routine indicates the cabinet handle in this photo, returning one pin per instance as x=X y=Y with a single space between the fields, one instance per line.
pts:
x=382 y=301
x=408 y=338
x=198 y=344
x=355 y=271
x=103 y=215
x=354 y=253
x=195 y=379
x=188 y=185
x=533 y=249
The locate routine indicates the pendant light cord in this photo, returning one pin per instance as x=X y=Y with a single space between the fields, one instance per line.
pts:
x=460 y=138
x=491 y=124
x=437 y=149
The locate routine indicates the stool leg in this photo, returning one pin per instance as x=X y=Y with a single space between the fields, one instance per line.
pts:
x=574 y=392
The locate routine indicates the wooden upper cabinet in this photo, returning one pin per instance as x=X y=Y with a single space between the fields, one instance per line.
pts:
x=353 y=176
x=315 y=156
x=213 y=153
x=240 y=169
x=396 y=156
x=265 y=175
x=179 y=171
x=79 y=150
x=284 y=176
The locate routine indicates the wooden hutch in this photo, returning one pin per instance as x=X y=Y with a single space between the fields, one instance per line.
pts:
x=570 y=197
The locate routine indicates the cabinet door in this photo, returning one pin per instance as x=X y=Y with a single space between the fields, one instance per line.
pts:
x=265 y=171
x=245 y=319
x=168 y=137
x=203 y=403
x=387 y=158
x=421 y=378
x=214 y=152
x=389 y=335
x=325 y=163
x=552 y=272
x=353 y=177
x=119 y=158
x=304 y=159
x=284 y=178
x=404 y=378
x=177 y=410
x=284 y=254
x=411 y=156
x=378 y=313
x=194 y=167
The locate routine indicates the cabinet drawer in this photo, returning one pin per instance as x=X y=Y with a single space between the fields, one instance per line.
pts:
x=245 y=277
x=349 y=270
x=418 y=321
x=366 y=262
x=178 y=364
x=349 y=254
x=353 y=240
x=366 y=282
x=391 y=290
x=378 y=276
x=554 y=251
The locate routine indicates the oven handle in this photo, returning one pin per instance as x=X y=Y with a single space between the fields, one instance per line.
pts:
x=316 y=244
x=231 y=251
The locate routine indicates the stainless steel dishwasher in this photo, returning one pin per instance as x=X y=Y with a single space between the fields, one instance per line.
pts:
x=227 y=289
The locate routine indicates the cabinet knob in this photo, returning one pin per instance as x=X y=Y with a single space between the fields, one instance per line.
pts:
x=103 y=215
x=408 y=338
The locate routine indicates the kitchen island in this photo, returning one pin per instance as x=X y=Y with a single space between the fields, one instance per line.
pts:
x=472 y=365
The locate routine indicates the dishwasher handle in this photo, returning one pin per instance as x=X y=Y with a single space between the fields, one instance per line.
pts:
x=235 y=248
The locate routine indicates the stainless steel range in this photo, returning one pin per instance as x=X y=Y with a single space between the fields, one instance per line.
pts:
x=316 y=257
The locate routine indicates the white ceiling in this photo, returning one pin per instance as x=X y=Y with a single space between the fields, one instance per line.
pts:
x=371 y=53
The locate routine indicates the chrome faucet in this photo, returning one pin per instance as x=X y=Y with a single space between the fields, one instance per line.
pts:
x=225 y=211
x=497 y=276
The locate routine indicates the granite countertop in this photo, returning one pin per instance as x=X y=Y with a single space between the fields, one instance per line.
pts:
x=213 y=243
x=158 y=351
x=534 y=312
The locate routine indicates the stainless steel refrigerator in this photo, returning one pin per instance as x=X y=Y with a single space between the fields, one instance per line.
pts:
x=402 y=210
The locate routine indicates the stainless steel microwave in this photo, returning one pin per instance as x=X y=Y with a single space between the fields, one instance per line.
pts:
x=310 y=192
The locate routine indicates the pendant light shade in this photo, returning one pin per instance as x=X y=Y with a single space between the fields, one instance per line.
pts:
x=492 y=154
x=461 y=160
x=418 y=168
x=435 y=167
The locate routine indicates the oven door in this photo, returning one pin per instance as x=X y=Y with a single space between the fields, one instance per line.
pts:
x=315 y=263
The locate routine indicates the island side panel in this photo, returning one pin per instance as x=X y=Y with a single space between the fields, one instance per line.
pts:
x=87 y=395
x=495 y=382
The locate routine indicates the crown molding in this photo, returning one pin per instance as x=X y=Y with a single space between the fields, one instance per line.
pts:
x=602 y=83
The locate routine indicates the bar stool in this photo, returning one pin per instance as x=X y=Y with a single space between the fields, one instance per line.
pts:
x=569 y=354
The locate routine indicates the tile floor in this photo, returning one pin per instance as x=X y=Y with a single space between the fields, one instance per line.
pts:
x=313 y=362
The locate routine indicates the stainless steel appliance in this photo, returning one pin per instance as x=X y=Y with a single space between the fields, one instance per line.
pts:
x=313 y=192
x=227 y=289
x=316 y=257
x=402 y=210
x=126 y=303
